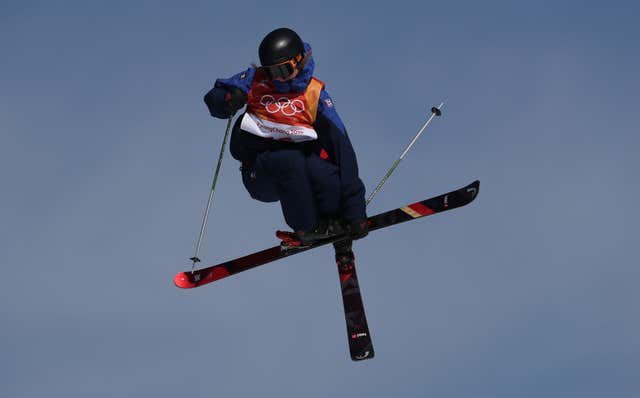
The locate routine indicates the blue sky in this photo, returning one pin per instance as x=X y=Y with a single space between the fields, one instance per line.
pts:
x=106 y=158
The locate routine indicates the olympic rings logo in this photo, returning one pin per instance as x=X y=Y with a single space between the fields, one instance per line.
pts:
x=283 y=104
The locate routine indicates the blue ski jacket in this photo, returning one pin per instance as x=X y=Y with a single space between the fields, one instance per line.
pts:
x=332 y=134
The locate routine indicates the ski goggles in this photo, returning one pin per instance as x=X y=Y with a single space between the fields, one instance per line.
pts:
x=285 y=69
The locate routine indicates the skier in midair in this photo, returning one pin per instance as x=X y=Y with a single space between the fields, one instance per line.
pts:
x=291 y=143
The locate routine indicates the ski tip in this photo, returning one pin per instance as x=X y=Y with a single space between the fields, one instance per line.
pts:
x=183 y=281
x=188 y=280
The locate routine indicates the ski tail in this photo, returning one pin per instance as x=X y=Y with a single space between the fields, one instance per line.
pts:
x=358 y=335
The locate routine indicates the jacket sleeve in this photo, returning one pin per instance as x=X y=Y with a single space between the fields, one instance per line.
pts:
x=215 y=98
x=332 y=136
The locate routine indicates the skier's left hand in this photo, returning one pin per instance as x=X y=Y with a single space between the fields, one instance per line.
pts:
x=358 y=229
x=234 y=100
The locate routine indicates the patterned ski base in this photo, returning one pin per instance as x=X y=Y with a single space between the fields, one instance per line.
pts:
x=360 y=345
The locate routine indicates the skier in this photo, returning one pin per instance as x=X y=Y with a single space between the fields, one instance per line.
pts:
x=292 y=145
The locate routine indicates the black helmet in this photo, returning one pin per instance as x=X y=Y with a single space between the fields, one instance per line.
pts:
x=280 y=45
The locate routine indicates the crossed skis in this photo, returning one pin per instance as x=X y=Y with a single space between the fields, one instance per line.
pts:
x=360 y=345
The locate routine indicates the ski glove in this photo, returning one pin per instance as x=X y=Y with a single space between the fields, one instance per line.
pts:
x=358 y=229
x=234 y=100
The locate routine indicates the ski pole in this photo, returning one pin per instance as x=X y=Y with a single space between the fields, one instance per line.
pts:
x=434 y=112
x=195 y=259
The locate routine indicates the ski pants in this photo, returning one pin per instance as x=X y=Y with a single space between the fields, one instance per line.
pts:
x=306 y=185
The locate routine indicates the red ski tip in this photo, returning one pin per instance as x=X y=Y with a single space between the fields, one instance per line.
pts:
x=182 y=281
x=188 y=280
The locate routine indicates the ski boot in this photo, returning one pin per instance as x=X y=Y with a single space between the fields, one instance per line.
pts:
x=326 y=229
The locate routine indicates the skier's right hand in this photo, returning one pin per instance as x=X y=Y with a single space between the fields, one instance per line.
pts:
x=234 y=100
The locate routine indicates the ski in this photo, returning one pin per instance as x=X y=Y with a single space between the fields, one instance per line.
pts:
x=427 y=207
x=358 y=335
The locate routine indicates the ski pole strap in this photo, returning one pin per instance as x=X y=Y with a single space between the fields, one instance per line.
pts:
x=434 y=112
x=195 y=259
